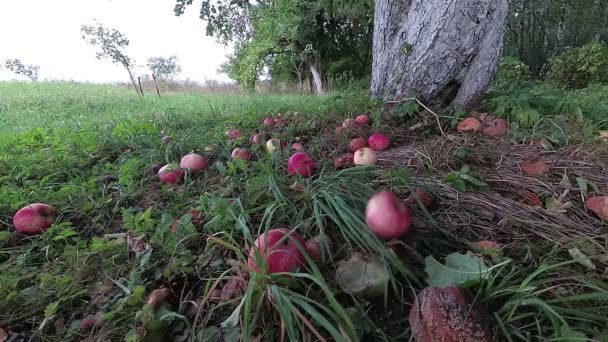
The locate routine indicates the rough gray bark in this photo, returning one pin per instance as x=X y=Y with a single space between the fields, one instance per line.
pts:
x=443 y=52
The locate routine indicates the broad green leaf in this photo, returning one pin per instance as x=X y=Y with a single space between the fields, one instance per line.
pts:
x=233 y=320
x=51 y=309
x=567 y=334
x=137 y=296
x=209 y=334
x=4 y=235
x=459 y=270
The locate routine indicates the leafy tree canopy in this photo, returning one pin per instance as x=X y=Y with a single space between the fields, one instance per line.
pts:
x=164 y=68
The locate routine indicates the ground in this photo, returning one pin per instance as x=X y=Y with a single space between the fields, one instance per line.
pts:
x=92 y=152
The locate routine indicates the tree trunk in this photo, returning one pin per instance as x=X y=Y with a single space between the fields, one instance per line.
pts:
x=316 y=76
x=443 y=52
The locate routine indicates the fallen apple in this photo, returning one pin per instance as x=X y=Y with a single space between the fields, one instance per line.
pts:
x=171 y=174
x=241 y=153
x=301 y=164
x=387 y=216
x=194 y=162
x=365 y=156
x=356 y=144
x=34 y=218
x=378 y=142
x=278 y=248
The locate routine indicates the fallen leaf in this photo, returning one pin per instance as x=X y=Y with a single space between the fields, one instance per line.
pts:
x=581 y=258
x=232 y=289
x=534 y=166
x=486 y=244
x=544 y=143
x=459 y=270
x=3 y=335
x=158 y=296
x=297 y=186
x=532 y=199
x=604 y=135
x=598 y=205
x=483 y=117
x=554 y=205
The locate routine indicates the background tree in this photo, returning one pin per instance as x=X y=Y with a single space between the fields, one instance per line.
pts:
x=541 y=29
x=305 y=40
x=164 y=68
x=16 y=66
x=112 y=44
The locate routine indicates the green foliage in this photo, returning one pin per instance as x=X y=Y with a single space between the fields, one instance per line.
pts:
x=511 y=73
x=577 y=68
x=459 y=270
x=16 y=66
x=290 y=36
x=540 y=29
x=164 y=68
x=111 y=42
x=529 y=105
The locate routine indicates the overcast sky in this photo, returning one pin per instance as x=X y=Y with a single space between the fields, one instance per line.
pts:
x=47 y=33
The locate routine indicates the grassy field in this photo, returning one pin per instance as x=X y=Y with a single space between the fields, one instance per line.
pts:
x=93 y=151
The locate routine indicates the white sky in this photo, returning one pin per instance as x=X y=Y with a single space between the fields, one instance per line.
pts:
x=47 y=33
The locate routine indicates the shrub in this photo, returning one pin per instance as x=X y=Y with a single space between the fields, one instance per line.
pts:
x=577 y=68
x=511 y=73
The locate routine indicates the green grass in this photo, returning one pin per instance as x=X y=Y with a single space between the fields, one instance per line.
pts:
x=58 y=141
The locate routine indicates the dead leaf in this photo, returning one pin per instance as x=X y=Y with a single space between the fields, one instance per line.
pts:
x=483 y=117
x=555 y=205
x=158 y=296
x=136 y=245
x=598 y=205
x=3 y=335
x=604 y=135
x=486 y=244
x=297 y=186
x=532 y=199
x=534 y=166
x=232 y=289
x=581 y=258
x=544 y=143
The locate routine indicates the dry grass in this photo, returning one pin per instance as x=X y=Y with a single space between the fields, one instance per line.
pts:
x=502 y=213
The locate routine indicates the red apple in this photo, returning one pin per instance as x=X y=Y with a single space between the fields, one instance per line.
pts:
x=268 y=121
x=378 y=142
x=256 y=138
x=469 y=124
x=362 y=120
x=234 y=134
x=365 y=156
x=34 y=218
x=278 y=121
x=356 y=144
x=194 y=162
x=241 y=153
x=301 y=164
x=387 y=216
x=340 y=130
x=297 y=147
x=171 y=174
x=280 y=256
